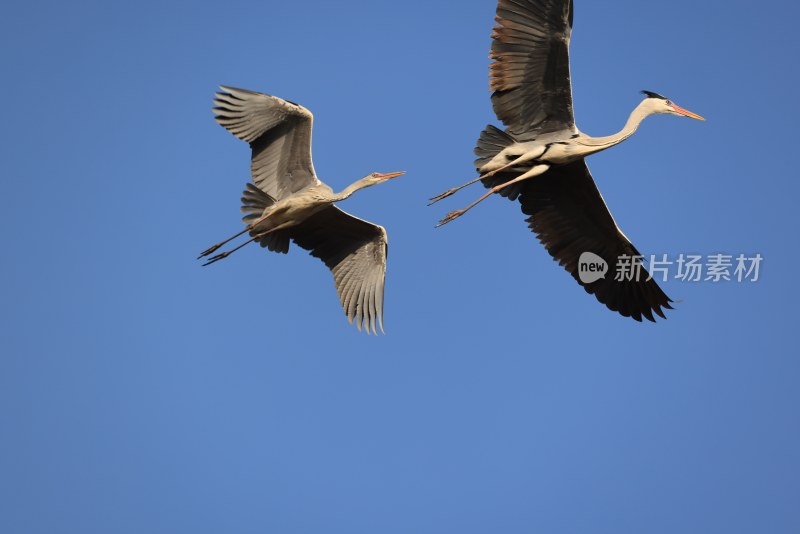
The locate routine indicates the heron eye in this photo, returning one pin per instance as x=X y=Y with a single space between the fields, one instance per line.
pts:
x=669 y=102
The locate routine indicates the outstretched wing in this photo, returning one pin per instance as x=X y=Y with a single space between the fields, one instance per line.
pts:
x=279 y=132
x=355 y=251
x=570 y=217
x=530 y=73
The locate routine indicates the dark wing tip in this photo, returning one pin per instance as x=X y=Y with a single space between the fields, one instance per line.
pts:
x=632 y=299
x=569 y=217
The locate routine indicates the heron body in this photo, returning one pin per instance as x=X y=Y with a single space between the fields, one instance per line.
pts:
x=539 y=159
x=293 y=210
x=564 y=147
x=288 y=203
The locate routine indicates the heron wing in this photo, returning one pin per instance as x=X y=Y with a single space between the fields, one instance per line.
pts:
x=530 y=73
x=570 y=217
x=279 y=133
x=355 y=251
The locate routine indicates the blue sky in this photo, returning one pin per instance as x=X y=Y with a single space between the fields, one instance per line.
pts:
x=140 y=392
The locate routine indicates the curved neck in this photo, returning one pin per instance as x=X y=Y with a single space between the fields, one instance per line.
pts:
x=352 y=188
x=637 y=116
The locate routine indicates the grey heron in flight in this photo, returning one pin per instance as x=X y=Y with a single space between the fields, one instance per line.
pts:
x=539 y=158
x=288 y=202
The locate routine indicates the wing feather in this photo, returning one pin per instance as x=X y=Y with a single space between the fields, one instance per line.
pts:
x=355 y=251
x=279 y=133
x=530 y=73
x=570 y=217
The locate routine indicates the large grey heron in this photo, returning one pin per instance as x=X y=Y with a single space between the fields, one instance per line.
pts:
x=288 y=201
x=539 y=158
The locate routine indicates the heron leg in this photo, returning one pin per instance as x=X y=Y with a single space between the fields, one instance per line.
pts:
x=440 y=196
x=248 y=228
x=535 y=171
x=522 y=159
x=224 y=255
x=211 y=250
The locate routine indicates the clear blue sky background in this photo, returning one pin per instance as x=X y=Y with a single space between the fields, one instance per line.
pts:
x=140 y=392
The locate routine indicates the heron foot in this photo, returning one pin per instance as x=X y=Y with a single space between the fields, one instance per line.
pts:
x=441 y=196
x=218 y=257
x=209 y=251
x=451 y=217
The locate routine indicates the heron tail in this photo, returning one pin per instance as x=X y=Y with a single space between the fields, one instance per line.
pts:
x=254 y=202
x=491 y=141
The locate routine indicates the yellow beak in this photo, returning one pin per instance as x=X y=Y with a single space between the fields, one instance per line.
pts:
x=390 y=175
x=686 y=113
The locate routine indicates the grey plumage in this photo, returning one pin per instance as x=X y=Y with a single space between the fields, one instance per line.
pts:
x=570 y=217
x=288 y=202
x=254 y=202
x=540 y=158
x=355 y=251
x=530 y=73
x=279 y=134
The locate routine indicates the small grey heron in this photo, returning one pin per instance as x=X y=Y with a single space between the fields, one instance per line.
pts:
x=289 y=202
x=539 y=158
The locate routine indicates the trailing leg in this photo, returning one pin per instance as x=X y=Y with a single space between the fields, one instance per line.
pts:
x=224 y=255
x=535 y=171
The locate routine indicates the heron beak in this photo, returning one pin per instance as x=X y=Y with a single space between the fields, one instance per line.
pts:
x=390 y=175
x=686 y=113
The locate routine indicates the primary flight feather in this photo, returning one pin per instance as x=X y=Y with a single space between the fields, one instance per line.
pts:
x=287 y=202
x=540 y=157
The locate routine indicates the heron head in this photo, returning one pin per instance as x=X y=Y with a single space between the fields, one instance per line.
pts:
x=662 y=104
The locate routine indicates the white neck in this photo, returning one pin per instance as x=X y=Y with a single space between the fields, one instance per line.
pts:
x=642 y=111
